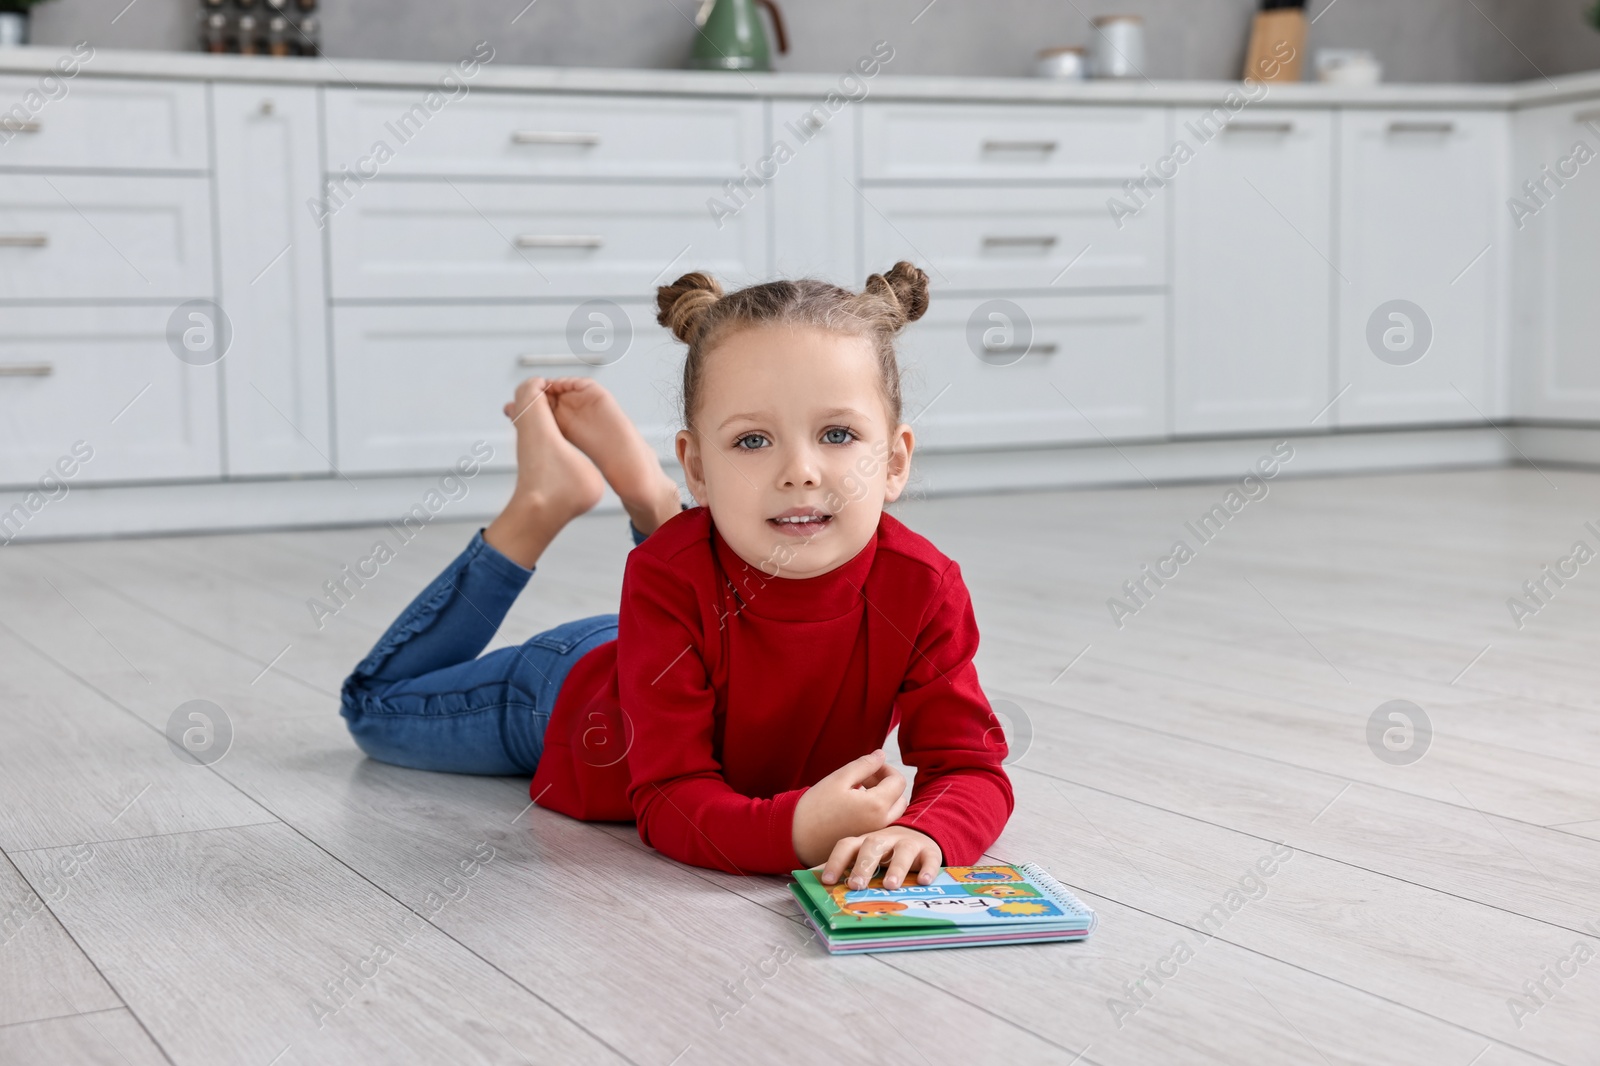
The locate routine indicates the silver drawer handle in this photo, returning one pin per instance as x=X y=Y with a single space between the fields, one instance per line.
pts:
x=26 y=370
x=558 y=240
x=1259 y=127
x=552 y=137
x=1048 y=348
x=1587 y=116
x=11 y=125
x=558 y=359
x=24 y=240
x=1422 y=127
x=1019 y=146
x=1016 y=242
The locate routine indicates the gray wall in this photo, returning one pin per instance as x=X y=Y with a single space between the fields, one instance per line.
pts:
x=1418 y=40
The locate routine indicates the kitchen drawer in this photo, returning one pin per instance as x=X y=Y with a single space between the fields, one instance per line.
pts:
x=417 y=386
x=902 y=142
x=1016 y=238
x=104 y=237
x=103 y=375
x=399 y=240
x=521 y=134
x=1094 y=365
x=104 y=124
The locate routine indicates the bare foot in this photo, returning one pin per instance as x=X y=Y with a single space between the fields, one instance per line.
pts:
x=555 y=483
x=591 y=418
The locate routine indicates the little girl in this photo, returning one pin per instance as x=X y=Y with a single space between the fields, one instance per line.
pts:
x=768 y=639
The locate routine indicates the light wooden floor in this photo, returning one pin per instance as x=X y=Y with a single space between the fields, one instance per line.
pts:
x=199 y=914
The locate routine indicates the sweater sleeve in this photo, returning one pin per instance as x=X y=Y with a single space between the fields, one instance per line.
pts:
x=684 y=807
x=961 y=797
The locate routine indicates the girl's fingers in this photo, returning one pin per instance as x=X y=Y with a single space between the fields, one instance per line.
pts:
x=839 y=859
x=868 y=856
x=905 y=853
x=928 y=864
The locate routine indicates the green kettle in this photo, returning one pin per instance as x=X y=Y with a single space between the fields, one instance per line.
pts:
x=731 y=36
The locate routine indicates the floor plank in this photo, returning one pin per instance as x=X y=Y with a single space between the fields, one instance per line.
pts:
x=43 y=974
x=102 y=1038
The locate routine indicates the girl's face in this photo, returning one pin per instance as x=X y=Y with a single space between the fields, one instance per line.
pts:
x=791 y=449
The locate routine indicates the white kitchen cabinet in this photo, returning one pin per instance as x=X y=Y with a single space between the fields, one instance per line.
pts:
x=477 y=133
x=270 y=269
x=1028 y=142
x=1556 y=241
x=104 y=237
x=815 y=207
x=983 y=372
x=1008 y=238
x=1253 y=247
x=1421 y=197
x=416 y=386
x=103 y=123
x=106 y=376
x=487 y=240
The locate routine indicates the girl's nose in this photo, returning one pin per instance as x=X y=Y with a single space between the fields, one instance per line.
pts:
x=801 y=470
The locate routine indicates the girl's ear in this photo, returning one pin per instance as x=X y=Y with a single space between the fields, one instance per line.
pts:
x=897 y=468
x=688 y=448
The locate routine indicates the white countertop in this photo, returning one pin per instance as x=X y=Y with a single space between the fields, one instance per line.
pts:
x=370 y=73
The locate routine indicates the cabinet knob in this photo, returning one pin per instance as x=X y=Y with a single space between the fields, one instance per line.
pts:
x=1041 y=241
x=552 y=359
x=267 y=107
x=1422 y=127
x=26 y=370
x=558 y=240
x=1042 y=147
x=553 y=137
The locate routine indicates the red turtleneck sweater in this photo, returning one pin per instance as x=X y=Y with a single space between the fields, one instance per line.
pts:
x=728 y=692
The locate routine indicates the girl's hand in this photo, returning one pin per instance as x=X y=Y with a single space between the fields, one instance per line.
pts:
x=901 y=846
x=862 y=795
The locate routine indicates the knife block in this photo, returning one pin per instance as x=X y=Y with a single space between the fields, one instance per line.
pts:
x=1277 y=46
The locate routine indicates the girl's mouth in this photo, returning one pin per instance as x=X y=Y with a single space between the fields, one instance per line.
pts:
x=801 y=522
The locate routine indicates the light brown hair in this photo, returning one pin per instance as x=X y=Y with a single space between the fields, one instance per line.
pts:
x=696 y=311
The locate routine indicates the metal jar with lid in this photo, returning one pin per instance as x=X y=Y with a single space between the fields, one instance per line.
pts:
x=1118 y=49
x=1068 y=63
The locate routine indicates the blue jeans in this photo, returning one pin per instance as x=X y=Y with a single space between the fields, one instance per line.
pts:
x=424 y=697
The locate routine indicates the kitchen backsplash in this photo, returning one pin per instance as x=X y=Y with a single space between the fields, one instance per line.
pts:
x=1417 y=40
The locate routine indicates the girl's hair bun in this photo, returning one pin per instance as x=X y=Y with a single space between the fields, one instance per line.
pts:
x=682 y=306
x=905 y=289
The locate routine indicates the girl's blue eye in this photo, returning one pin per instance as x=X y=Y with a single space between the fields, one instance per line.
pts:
x=740 y=443
x=844 y=436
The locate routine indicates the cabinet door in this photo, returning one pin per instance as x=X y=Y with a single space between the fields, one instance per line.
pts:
x=816 y=211
x=105 y=237
x=1065 y=369
x=107 y=376
x=1422 y=194
x=1008 y=238
x=394 y=240
x=276 y=371
x=482 y=134
x=417 y=386
x=102 y=123
x=1556 y=241
x=1252 y=329
x=914 y=141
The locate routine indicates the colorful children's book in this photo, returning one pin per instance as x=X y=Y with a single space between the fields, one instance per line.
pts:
x=965 y=906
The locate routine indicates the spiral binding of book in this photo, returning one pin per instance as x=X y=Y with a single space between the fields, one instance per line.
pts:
x=1059 y=893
